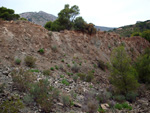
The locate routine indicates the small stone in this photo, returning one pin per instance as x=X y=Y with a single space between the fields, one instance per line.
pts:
x=60 y=104
x=105 y=106
x=77 y=105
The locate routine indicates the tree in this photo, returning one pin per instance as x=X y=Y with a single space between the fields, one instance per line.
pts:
x=143 y=67
x=123 y=75
x=67 y=16
x=8 y=14
x=79 y=24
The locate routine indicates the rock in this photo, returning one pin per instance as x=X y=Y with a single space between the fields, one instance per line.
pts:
x=60 y=104
x=105 y=106
x=5 y=73
x=77 y=105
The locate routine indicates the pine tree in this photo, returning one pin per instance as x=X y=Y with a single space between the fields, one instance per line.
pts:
x=123 y=75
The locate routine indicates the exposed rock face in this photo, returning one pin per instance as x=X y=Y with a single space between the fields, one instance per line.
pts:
x=39 y=18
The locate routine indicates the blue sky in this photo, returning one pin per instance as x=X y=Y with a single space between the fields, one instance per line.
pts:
x=110 y=13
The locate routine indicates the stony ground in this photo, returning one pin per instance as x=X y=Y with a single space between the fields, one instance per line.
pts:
x=72 y=52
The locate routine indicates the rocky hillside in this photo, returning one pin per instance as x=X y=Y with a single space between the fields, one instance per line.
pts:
x=39 y=18
x=66 y=54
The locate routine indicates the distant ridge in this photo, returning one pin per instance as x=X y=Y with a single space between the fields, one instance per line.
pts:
x=39 y=18
x=102 y=28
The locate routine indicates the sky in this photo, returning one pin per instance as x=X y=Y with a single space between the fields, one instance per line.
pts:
x=109 y=13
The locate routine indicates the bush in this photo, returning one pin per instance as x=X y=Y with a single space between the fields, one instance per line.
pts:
x=75 y=68
x=64 y=81
x=131 y=96
x=22 y=79
x=119 y=98
x=146 y=35
x=41 y=51
x=56 y=67
x=123 y=106
x=82 y=76
x=92 y=106
x=52 y=68
x=12 y=105
x=48 y=25
x=34 y=70
x=30 y=61
x=103 y=97
x=90 y=29
x=17 y=61
x=89 y=76
x=54 y=49
x=142 y=66
x=136 y=34
x=102 y=65
x=66 y=100
x=75 y=78
x=118 y=106
x=46 y=72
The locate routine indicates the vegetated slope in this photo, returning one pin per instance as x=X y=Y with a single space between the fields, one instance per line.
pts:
x=39 y=18
x=73 y=52
x=126 y=31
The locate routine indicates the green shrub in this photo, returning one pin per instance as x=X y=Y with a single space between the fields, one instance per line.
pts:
x=119 y=98
x=123 y=106
x=131 y=96
x=142 y=66
x=62 y=60
x=42 y=94
x=75 y=78
x=89 y=76
x=52 y=68
x=100 y=110
x=118 y=106
x=22 y=79
x=62 y=76
x=82 y=76
x=30 y=61
x=12 y=105
x=75 y=68
x=48 y=25
x=94 y=65
x=28 y=99
x=54 y=48
x=46 y=72
x=66 y=100
x=18 y=61
x=56 y=67
x=146 y=35
x=41 y=51
x=34 y=70
x=136 y=34
x=102 y=65
x=92 y=106
x=103 y=97
x=68 y=65
x=65 y=81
